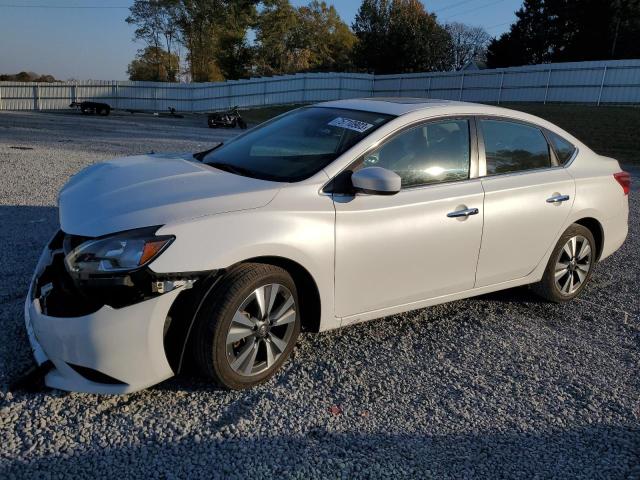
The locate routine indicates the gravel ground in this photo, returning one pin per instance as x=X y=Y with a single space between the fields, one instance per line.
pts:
x=501 y=386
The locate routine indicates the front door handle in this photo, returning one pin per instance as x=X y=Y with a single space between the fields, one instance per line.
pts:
x=558 y=199
x=463 y=213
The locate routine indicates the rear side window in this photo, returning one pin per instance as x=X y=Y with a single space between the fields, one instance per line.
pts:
x=564 y=149
x=513 y=147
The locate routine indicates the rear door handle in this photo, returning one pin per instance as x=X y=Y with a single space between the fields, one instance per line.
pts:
x=558 y=199
x=463 y=213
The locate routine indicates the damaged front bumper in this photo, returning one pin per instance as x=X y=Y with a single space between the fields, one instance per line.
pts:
x=95 y=348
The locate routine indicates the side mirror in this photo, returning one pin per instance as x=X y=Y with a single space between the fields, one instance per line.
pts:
x=376 y=181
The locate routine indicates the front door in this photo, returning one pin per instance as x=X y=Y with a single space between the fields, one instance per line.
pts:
x=420 y=243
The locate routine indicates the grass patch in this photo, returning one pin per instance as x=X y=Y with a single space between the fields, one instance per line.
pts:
x=610 y=131
x=256 y=116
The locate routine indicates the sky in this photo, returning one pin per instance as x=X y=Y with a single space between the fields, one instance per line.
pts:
x=70 y=39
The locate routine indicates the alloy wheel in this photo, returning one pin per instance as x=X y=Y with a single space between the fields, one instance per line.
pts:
x=261 y=329
x=573 y=265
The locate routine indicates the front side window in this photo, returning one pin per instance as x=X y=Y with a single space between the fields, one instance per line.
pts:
x=434 y=152
x=564 y=149
x=513 y=147
x=297 y=145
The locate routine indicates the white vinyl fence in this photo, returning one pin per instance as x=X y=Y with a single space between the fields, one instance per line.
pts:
x=610 y=82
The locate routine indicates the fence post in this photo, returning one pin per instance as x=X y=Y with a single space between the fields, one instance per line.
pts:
x=501 y=84
x=428 y=89
x=155 y=98
x=339 y=86
x=461 y=86
x=1 y=97
x=546 y=90
x=604 y=74
x=36 y=97
x=114 y=94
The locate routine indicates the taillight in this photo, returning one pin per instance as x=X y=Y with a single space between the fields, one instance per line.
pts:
x=624 y=179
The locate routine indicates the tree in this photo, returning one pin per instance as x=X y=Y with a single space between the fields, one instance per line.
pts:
x=276 y=38
x=156 y=25
x=233 y=53
x=529 y=40
x=328 y=39
x=214 y=33
x=27 y=77
x=397 y=36
x=309 y=38
x=152 y=64
x=564 y=30
x=197 y=30
x=467 y=44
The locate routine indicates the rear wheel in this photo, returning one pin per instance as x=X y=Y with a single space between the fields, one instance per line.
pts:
x=570 y=265
x=248 y=326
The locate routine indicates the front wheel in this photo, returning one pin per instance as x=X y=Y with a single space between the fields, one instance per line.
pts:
x=248 y=326
x=570 y=265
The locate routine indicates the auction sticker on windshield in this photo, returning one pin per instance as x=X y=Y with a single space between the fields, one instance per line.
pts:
x=350 y=124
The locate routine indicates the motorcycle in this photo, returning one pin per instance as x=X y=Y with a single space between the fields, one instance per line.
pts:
x=229 y=119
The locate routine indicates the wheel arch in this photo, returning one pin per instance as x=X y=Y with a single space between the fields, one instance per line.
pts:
x=596 y=229
x=181 y=317
x=308 y=292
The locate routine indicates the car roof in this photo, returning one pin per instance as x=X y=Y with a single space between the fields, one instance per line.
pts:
x=392 y=105
x=402 y=105
x=399 y=106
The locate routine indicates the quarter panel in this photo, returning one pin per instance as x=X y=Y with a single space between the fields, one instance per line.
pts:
x=600 y=196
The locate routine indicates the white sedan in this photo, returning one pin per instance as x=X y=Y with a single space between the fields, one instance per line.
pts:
x=326 y=216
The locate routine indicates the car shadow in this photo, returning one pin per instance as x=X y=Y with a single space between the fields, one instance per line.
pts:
x=323 y=452
x=513 y=295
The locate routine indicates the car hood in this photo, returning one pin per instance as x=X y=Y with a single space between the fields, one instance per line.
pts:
x=148 y=190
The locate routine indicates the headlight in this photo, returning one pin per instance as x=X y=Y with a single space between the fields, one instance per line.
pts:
x=119 y=253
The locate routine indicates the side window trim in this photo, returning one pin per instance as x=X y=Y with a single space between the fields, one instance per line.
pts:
x=547 y=134
x=482 y=160
x=473 y=150
x=552 y=149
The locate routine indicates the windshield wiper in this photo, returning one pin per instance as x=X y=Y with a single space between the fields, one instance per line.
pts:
x=200 y=155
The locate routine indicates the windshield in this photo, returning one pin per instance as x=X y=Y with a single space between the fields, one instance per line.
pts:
x=294 y=146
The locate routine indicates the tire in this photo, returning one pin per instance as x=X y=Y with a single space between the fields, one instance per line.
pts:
x=242 y=124
x=228 y=357
x=104 y=111
x=564 y=288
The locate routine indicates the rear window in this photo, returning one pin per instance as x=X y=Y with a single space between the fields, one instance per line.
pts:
x=564 y=149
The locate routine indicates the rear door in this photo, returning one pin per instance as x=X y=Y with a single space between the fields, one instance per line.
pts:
x=528 y=197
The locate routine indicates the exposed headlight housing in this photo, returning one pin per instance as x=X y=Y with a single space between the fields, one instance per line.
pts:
x=116 y=254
